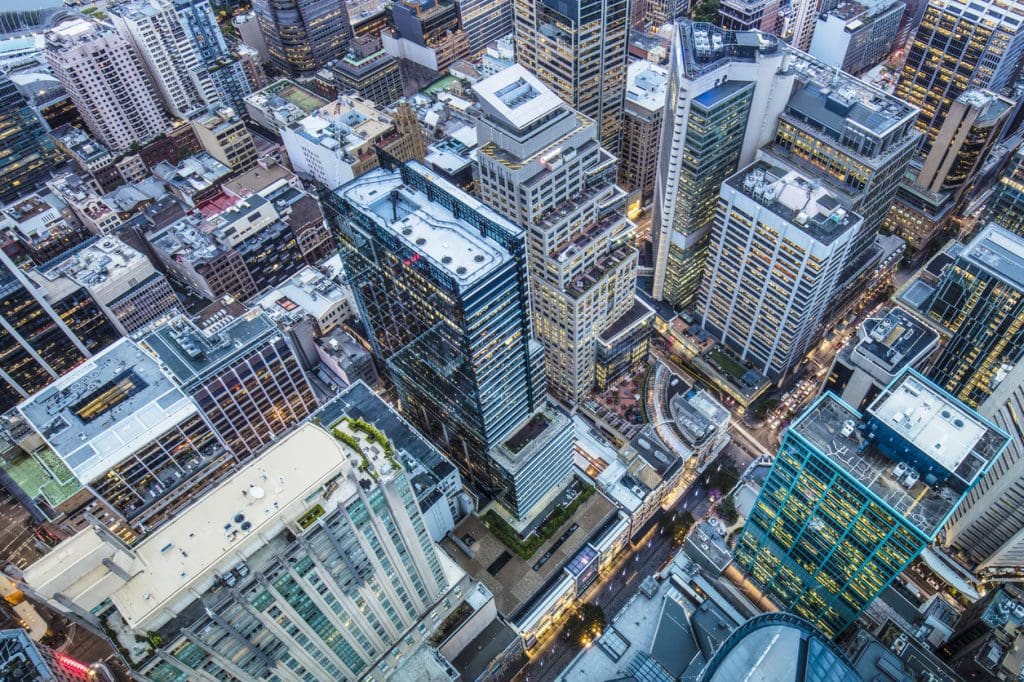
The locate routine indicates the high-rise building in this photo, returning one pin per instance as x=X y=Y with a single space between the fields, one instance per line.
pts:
x=153 y=27
x=718 y=88
x=978 y=302
x=646 y=87
x=542 y=165
x=107 y=81
x=733 y=93
x=485 y=21
x=302 y=36
x=130 y=436
x=27 y=154
x=934 y=186
x=36 y=344
x=987 y=530
x=240 y=371
x=579 y=51
x=776 y=255
x=983 y=645
x=750 y=15
x=855 y=37
x=22 y=658
x=986 y=53
x=369 y=71
x=441 y=284
x=852 y=499
x=427 y=37
x=1005 y=206
x=323 y=571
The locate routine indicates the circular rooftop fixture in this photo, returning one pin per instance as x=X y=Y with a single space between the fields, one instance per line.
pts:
x=446 y=260
x=256 y=492
x=461 y=270
x=420 y=241
x=239 y=518
x=478 y=258
x=246 y=525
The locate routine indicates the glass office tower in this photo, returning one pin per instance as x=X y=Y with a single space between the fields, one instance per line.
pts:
x=979 y=302
x=852 y=499
x=440 y=280
x=27 y=153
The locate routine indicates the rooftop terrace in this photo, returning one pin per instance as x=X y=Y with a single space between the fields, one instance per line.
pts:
x=430 y=230
x=894 y=339
x=799 y=200
x=517 y=96
x=105 y=409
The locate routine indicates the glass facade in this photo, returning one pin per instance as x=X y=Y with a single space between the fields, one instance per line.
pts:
x=983 y=311
x=303 y=35
x=819 y=542
x=459 y=354
x=36 y=346
x=1005 y=206
x=27 y=153
x=330 y=603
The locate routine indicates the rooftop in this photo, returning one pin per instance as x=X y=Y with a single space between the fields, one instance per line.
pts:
x=190 y=354
x=168 y=567
x=998 y=252
x=98 y=260
x=911 y=483
x=646 y=85
x=430 y=230
x=193 y=174
x=285 y=101
x=345 y=125
x=105 y=409
x=797 y=199
x=517 y=96
x=79 y=143
x=309 y=290
x=894 y=339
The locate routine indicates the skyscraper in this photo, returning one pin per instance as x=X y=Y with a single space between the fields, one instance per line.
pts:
x=228 y=73
x=960 y=45
x=1005 y=206
x=323 y=571
x=27 y=154
x=152 y=26
x=541 y=164
x=852 y=499
x=987 y=530
x=776 y=255
x=579 y=51
x=641 y=126
x=979 y=303
x=934 y=186
x=855 y=37
x=719 y=88
x=36 y=345
x=733 y=93
x=303 y=35
x=441 y=283
x=107 y=81
x=485 y=21
x=22 y=658
x=242 y=374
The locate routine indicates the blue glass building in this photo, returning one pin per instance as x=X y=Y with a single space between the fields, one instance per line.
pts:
x=27 y=153
x=440 y=281
x=852 y=499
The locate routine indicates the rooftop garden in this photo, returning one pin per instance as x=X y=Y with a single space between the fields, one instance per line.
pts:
x=346 y=428
x=725 y=362
x=533 y=428
x=526 y=548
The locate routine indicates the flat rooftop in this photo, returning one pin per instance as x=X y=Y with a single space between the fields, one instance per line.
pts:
x=998 y=252
x=98 y=260
x=228 y=523
x=105 y=409
x=646 y=85
x=936 y=424
x=428 y=229
x=309 y=290
x=190 y=354
x=894 y=339
x=798 y=199
x=839 y=432
x=514 y=580
x=517 y=96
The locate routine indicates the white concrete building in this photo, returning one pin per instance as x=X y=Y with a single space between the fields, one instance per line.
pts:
x=777 y=249
x=153 y=27
x=106 y=79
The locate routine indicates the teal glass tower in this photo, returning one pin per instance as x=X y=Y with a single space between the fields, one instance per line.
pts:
x=852 y=499
x=27 y=153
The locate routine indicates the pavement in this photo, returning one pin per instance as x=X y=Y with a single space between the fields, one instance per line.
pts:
x=18 y=543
